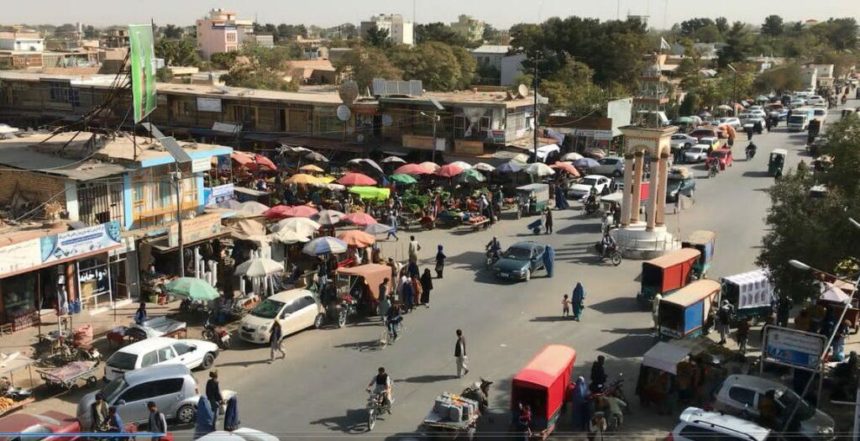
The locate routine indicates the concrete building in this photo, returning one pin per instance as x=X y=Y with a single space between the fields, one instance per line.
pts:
x=509 y=66
x=809 y=77
x=399 y=30
x=469 y=27
x=221 y=31
x=22 y=41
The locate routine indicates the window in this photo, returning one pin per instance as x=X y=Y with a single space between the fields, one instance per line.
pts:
x=306 y=301
x=182 y=348
x=167 y=387
x=231 y=37
x=165 y=354
x=138 y=393
x=743 y=396
x=149 y=359
x=62 y=92
x=292 y=307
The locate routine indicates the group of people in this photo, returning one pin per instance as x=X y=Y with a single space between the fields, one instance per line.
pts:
x=106 y=419
x=576 y=301
x=818 y=318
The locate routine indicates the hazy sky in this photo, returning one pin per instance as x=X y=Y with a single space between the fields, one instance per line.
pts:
x=496 y=12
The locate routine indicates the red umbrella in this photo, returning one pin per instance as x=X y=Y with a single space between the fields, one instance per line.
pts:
x=411 y=169
x=264 y=162
x=357 y=238
x=278 y=212
x=449 y=170
x=356 y=179
x=303 y=211
x=360 y=219
x=565 y=166
x=253 y=161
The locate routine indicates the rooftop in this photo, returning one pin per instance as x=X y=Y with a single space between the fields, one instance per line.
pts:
x=491 y=49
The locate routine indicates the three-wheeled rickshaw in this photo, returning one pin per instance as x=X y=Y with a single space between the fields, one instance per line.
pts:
x=751 y=295
x=666 y=273
x=357 y=290
x=543 y=384
x=532 y=199
x=776 y=162
x=685 y=313
x=704 y=241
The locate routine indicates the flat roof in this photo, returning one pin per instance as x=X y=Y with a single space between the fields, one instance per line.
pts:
x=18 y=153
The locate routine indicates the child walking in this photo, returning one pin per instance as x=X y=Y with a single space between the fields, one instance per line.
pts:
x=565 y=306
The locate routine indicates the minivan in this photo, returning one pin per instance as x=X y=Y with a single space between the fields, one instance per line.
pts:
x=170 y=386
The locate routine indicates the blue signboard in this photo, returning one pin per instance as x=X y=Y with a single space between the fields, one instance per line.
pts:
x=793 y=348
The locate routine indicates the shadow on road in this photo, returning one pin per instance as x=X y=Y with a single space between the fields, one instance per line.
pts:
x=551 y=318
x=755 y=174
x=351 y=423
x=245 y=363
x=590 y=227
x=367 y=345
x=421 y=379
x=617 y=305
x=629 y=346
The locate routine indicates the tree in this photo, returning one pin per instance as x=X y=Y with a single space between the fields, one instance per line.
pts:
x=377 y=37
x=492 y=35
x=223 y=60
x=487 y=74
x=172 y=32
x=691 y=27
x=468 y=66
x=439 y=32
x=286 y=32
x=433 y=63
x=690 y=104
x=163 y=75
x=772 y=26
x=178 y=52
x=362 y=64
x=779 y=79
x=65 y=29
x=91 y=32
x=251 y=76
x=738 y=45
x=722 y=25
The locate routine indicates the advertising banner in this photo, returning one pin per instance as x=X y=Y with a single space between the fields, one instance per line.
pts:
x=193 y=230
x=77 y=242
x=793 y=348
x=208 y=105
x=20 y=256
x=143 y=69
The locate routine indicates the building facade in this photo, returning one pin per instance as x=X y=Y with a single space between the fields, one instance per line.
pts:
x=399 y=30
x=221 y=31
x=22 y=41
x=470 y=28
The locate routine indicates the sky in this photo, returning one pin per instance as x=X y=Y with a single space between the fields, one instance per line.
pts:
x=500 y=13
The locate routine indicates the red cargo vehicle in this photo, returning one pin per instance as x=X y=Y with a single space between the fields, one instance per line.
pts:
x=667 y=273
x=543 y=385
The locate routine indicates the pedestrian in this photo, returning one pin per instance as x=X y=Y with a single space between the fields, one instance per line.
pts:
x=724 y=317
x=578 y=300
x=99 y=412
x=213 y=393
x=416 y=290
x=749 y=130
x=581 y=407
x=549 y=260
x=460 y=355
x=548 y=221
x=598 y=374
x=440 y=261
x=426 y=286
x=140 y=314
x=231 y=414
x=157 y=421
x=839 y=341
x=392 y=219
x=412 y=269
x=384 y=301
x=115 y=423
x=275 y=340
x=742 y=335
x=406 y=293
x=565 y=306
x=655 y=312
x=523 y=422
x=414 y=248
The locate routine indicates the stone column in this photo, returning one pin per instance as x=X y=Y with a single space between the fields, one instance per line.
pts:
x=625 y=196
x=652 y=193
x=636 y=185
x=661 y=189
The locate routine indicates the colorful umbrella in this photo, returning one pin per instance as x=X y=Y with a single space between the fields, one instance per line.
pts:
x=566 y=167
x=250 y=209
x=315 y=157
x=278 y=212
x=259 y=267
x=402 y=179
x=377 y=229
x=431 y=167
x=303 y=211
x=539 y=169
x=471 y=176
x=449 y=171
x=192 y=288
x=357 y=238
x=289 y=236
x=585 y=163
x=373 y=193
x=303 y=179
x=393 y=160
x=522 y=158
x=326 y=179
x=300 y=225
x=356 y=179
x=462 y=164
x=411 y=169
x=509 y=167
x=324 y=245
x=484 y=167
x=311 y=168
x=572 y=156
x=264 y=162
x=329 y=217
x=360 y=219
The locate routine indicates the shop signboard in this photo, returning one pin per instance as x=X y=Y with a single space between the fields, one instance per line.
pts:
x=208 y=104
x=20 y=256
x=193 y=230
x=219 y=194
x=77 y=242
x=201 y=165
x=794 y=348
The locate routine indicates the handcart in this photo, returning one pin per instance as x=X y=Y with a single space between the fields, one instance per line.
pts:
x=69 y=375
x=452 y=417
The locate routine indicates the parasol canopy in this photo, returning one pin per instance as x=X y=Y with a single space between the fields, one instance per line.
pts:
x=253 y=161
x=394 y=160
x=411 y=169
x=449 y=171
x=539 y=169
x=303 y=179
x=521 y=158
x=191 y=288
x=484 y=167
x=462 y=164
x=301 y=225
x=430 y=167
x=289 y=236
x=311 y=168
x=595 y=153
x=360 y=219
x=402 y=179
x=372 y=193
x=258 y=267
x=357 y=238
x=328 y=217
x=284 y=211
x=471 y=176
x=356 y=179
x=566 y=167
x=377 y=229
x=509 y=167
x=324 y=245
x=315 y=157
x=249 y=208
x=585 y=163
x=572 y=156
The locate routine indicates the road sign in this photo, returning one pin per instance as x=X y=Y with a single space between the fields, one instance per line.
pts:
x=794 y=348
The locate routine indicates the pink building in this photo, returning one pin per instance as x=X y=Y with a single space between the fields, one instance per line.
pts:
x=221 y=32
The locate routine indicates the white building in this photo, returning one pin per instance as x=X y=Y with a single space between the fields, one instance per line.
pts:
x=469 y=27
x=510 y=66
x=22 y=41
x=399 y=30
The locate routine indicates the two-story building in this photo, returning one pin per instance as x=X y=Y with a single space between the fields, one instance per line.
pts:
x=220 y=31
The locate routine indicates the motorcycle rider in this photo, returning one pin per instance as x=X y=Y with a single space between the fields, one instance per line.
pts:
x=494 y=247
x=750 y=150
x=606 y=243
x=381 y=384
x=392 y=319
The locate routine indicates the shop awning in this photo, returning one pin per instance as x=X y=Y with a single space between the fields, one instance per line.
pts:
x=160 y=244
x=665 y=357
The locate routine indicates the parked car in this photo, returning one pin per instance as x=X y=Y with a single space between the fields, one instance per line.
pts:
x=820 y=114
x=48 y=423
x=296 y=310
x=610 y=166
x=241 y=434
x=698 y=425
x=741 y=395
x=682 y=140
x=161 y=350
x=602 y=184
x=713 y=143
x=731 y=121
x=520 y=261
x=797 y=102
x=171 y=386
x=697 y=153
x=703 y=132
x=723 y=157
x=816 y=100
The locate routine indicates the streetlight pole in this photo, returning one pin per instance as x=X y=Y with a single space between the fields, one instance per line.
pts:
x=536 y=82
x=177 y=178
x=433 y=155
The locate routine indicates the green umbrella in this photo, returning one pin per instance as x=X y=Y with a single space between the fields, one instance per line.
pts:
x=403 y=179
x=194 y=289
x=471 y=176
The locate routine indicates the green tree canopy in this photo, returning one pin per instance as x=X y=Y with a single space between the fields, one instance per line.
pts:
x=435 y=64
x=363 y=64
x=377 y=37
x=772 y=26
x=779 y=79
x=439 y=32
x=178 y=52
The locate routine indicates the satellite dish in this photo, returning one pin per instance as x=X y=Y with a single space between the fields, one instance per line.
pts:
x=343 y=112
x=387 y=120
x=348 y=92
x=522 y=90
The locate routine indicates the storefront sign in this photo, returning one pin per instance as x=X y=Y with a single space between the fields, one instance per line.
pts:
x=208 y=104
x=193 y=230
x=793 y=348
x=83 y=241
x=20 y=256
x=220 y=194
x=201 y=165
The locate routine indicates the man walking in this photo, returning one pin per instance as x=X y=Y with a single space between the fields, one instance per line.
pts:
x=724 y=316
x=392 y=219
x=414 y=248
x=99 y=412
x=213 y=393
x=460 y=355
x=548 y=222
x=275 y=341
x=157 y=421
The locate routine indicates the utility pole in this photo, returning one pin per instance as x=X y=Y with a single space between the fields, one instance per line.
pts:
x=177 y=178
x=433 y=155
x=537 y=54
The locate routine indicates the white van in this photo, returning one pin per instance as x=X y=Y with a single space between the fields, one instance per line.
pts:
x=296 y=309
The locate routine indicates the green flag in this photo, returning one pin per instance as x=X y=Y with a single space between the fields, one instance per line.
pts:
x=142 y=70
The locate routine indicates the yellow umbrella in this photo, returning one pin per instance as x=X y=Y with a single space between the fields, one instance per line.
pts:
x=303 y=179
x=311 y=168
x=326 y=179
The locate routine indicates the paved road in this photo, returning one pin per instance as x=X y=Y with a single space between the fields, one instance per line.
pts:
x=318 y=390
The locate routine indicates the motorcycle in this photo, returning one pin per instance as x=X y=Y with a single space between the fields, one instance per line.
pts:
x=713 y=169
x=480 y=392
x=492 y=257
x=591 y=205
x=750 y=151
x=216 y=334
x=612 y=253
x=376 y=405
x=616 y=389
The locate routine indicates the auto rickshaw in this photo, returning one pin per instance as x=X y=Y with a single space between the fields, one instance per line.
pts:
x=704 y=241
x=357 y=289
x=543 y=384
x=532 y=199
x=685 y=313
x=776 y=162
x=750 y=293
x=666 y=273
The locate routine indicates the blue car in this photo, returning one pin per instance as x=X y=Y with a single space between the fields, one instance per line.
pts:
x=520 y=261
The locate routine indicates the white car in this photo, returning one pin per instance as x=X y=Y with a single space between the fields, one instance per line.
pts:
x=797 y=102
x=610 y=166
x=160 y=351
x=602 y=184
x=820 y=114
x=296 y=310
x=816 y=100
x=241 y=434
x=696 y=153
x=696 y=425
x=682 y=140
x=730 y=121
x=741 y=394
